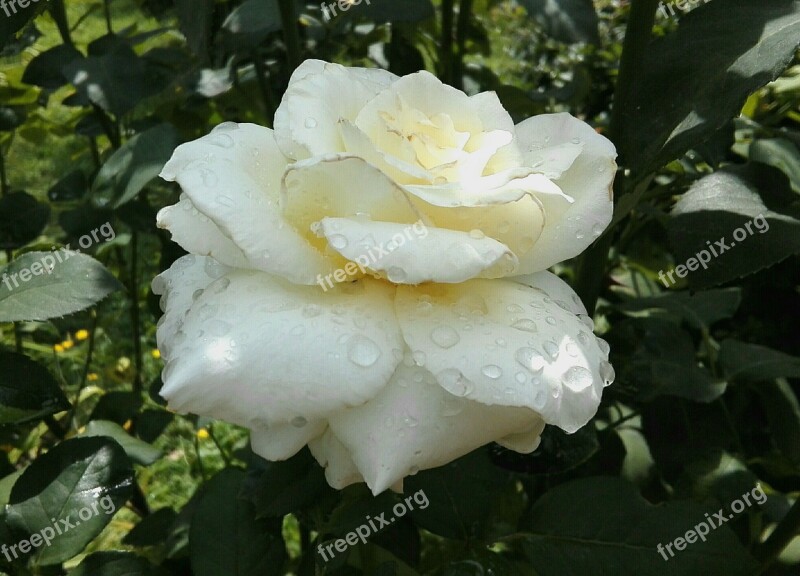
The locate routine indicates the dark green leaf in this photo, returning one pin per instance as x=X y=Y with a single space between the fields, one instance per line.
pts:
x=82 y=481
x=755 y=363
x=137 y=450
x=27 y=390
x=699 y=310
x=461 y=495
x=696 y=79
x=565 y=20
x=782 y=409
x=250 y=23
x=195 y=22
x=226 y=539
x=600 y=526
x=133 y=166
x=389 y=10
x=664 y=363
x=118 y=406
x=719 y=208
x=115 y=563
x=779 y=153
x=37 y=286
x=153 y=530
x=73 y=186
x=46 y=69
x=288 y=486
x=14 y=16
x=22 y=219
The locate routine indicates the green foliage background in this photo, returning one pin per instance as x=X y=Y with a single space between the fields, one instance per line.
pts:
x=704 y=108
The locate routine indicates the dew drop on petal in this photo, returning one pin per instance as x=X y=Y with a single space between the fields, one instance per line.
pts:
x=514 y=308
x=362 y=351
x=310 y=123
x=311 y=310
x=607 y=373
x=551 y=348
x=492 y=371
x=526 y=325
x=550 y=320
x=419 y=358
x=604 y=347
x=586 y=321
x=577 y=378
x=521 y=377
x=299 y=422
x=476 y=234
x=452 y=380
x=539 y=399
x=338 y=241
x=445 y=337
x=530 y=359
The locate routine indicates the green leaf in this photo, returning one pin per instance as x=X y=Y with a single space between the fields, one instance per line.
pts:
x=600 y=526
x=560 y=452
x=755 y=363
x=81 y=482
x=22 y=219
x=699 y=309
x=779 y=153
x=152 y=530
x=782 y=409
x=27 y=390
x=694 y=80
x=718 y=209
x=15 y=16
x=195 y=19
x=567 y=21
x=44 y=285
x=461 y=495
x=133 y=166
x=390 y=10
x=137 y=450
x=288 y=486
x=226 y=539
x=46 y=69
x=115 y=563
x=250 y=23
x=664 y=363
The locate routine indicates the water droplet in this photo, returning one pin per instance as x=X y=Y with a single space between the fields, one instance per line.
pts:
x=572 y=349
x=604 y=347
x=410 y=421
x=440 y=180
x=579 y=235
x=197 y=294
x=396 y=275
x=362 y=351
x=419 y=358
x=514 y=308
x=550 y=320
x=299 y=422
x=583 y=338
x=413 y=470
x=492 y=371
x=207 y=311
x=530 y=359
x=338 y=241
x=576 y=140
x=452 y=380
x=500 y=342
x=539 y=399
x=551 y=348
x=222 y=140
x=586 y=321
x=445 y=337
x=310 y=123
x=521 y=377
x=597 y=229
x=577 y=378
x=214 y=269
x=504 y=226
x=607 y=373
x=221 y=285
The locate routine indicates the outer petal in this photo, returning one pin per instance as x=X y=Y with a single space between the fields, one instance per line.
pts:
x=340 y=470
x=541 y=356
x=319 y=94
x=413 y=424
x=197 y=234
x=244 y=353
x=283 y=441
x=588 y=179
x=233 y=176
x=413 y=254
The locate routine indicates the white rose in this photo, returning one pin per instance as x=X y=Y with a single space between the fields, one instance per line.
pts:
x=370 y=277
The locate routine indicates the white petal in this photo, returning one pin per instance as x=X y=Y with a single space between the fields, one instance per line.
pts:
x=283 y=441
x=338 y=185
x=524 y=442
x=570 y=228
x=415 y=254
x=233 y=176
x=197 y=234
x=502 y=343
x=340 y=470
x=414 y=425
x=319 y=94
x=258 y=350
x=558 y=290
